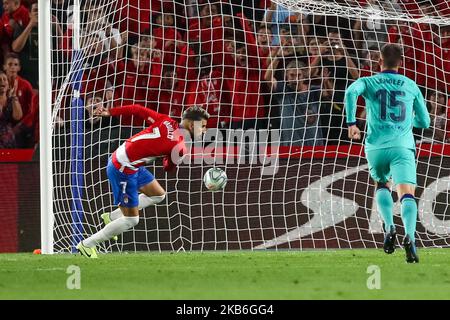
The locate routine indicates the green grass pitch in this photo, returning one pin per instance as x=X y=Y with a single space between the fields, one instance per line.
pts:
x=340 y=274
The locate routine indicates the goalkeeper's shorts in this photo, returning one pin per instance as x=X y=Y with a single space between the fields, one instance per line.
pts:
x=126 y=187
x=398 y=163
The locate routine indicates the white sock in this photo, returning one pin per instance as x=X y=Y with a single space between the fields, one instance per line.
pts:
x=112 y=229
x=116 y=214
x=144 y=202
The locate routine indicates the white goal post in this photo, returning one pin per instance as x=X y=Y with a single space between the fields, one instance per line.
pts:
x=45 y=124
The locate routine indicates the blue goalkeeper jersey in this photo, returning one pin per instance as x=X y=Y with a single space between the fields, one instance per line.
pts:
x=394 y=104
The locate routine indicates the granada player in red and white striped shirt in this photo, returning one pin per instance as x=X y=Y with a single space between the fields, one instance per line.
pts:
x=126 y=172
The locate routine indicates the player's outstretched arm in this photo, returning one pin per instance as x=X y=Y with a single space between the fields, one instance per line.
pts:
x=148 y=115
x=352 y=93
x=351 y=96
x=422 y=117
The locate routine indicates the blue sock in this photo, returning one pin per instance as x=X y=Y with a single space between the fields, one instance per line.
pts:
x=409 y=215
x=385 y=203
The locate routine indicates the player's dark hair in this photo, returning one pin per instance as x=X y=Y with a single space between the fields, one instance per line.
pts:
x=392 y=55
x=264 y=26
x=239 y=45
x=195 y=113
x=333 y=30
x=12 y=55
x=156 y=16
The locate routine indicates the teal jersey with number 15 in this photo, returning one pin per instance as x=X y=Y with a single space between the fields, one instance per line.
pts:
x=394 y=104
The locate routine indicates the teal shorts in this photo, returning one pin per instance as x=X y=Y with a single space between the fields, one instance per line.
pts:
x=398 y=163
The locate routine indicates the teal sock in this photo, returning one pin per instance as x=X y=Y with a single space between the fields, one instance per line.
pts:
x=385 y=203
x=409 y=217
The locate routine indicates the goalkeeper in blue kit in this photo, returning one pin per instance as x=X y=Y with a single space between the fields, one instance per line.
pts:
x=394 y=104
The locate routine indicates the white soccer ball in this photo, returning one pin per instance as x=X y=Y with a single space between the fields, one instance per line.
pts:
x=215 y=179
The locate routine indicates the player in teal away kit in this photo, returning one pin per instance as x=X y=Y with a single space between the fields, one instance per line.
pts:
x=394 y=105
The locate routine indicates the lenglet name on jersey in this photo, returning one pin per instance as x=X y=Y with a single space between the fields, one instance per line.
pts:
x=170 y=130
x=395 y=82
x=390 y=126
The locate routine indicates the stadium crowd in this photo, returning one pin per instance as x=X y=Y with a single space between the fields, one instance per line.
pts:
x=253 y=65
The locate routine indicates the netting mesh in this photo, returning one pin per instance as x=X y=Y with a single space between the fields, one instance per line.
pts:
x=437 y=12
x=263 y=71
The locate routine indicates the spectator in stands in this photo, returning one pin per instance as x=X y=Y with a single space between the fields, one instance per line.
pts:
x=322 y=26
x=327 y=84
x=93 y=47
x=435 y=54
x=4 y=44
x=25 y=43
x=60 y=9
x=427 y=8
x=421 y=54
x=294 y=35
x=288 y=51
x=374 y=29
x=210 y=29
x=411 y=7
x=299 y=24
x=211 y=93
x=299 y=105
x=143 y=72
x=244 y=81
x=148 y=41
x=276 y=16
x=24 y=90
x=27 y=130
x=187 y=64
x=334 y=56
x=403 y=35
x=96 y=23
x=443 y=7
x=267 y=52
x=312 y=54
x=134 y=16
x=313 y=50
x=427 y=51
x=206 y=12
x=264 y=40
x=10 y=112
x=278 y=62
x=112 y=37
x=165 y=33
x=371 y=64
x=437 y=104
x=134 y=75
x=14 y=15
x=445 y=45
x=169 y=97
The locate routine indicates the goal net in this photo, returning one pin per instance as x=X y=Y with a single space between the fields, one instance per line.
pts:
x=273 y=77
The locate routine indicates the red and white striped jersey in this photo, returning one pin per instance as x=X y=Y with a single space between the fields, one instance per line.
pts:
x=161 y=139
